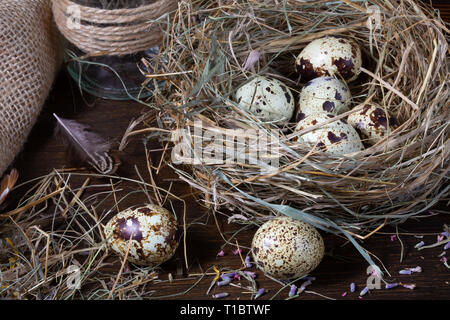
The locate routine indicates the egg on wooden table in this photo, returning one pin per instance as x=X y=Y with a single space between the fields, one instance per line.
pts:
x=268 y=99
x=373 y=123
x=147 y=233
x=329 y=56
x=337 y=137
x=287 y=248
x=324 y=94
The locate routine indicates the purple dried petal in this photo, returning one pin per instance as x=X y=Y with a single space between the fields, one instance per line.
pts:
x=247 y=262
x=416 y=269
x=447 y=246
x=344 y=294
x=444 y=259
x=237 y=277
x=309 y=278
x=393 y=237
x=220 y=295
x=293 y=290
x=419 y=245
x=440 y=238
x=224 y=282
x=391 y=285
x=364 y=291
x=405 y=271
x=251 y=274
x=446 y=234
x=221 y=253
x=259 y=293
x=237 y=251
x=352 y=287
x=409 y=286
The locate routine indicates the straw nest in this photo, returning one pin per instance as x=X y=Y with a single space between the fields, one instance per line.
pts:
x=405 y=70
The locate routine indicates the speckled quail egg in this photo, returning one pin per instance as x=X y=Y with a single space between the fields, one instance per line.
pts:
x=149 y=231
x=329 y=56
x=372 y=123
x=287 y=248
x=324 y=94
x=337 y=138
x=268 y=99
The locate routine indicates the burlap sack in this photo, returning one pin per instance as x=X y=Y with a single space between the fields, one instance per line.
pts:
x=29 y=60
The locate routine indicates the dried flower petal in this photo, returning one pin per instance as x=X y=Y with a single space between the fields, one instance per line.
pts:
x=259 y=293
x=247 y=262
x=237 y=251
x=447 y=246
x=352 y=287
x=224 y=282
x=344 y=294
x=416 y=269
x=364 y=291
x=220 y=295
x=419 y=245
x=293 y=290
x=391 y=285
x=405 y=271
x=393 y=237
x=409 y=286
x=251 y=274
x=221 y=253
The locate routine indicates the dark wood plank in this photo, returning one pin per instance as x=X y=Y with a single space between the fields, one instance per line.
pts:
x=43 y=152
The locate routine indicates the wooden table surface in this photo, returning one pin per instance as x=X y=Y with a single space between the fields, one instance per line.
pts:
x=341 y=266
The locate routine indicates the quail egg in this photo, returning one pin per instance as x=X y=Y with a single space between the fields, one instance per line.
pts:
x=324 y=94
x=150 y=233
x=337 y=138
x=330 y=56
x=268 y=99
x=287 y=248
x=372 y=123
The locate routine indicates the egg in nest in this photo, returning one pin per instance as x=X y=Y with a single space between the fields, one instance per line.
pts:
x=329 y=56
x=287 y=248
x=324 y=94
x=268 y=99
x=337 y=137
x=150 y=233
x=373 y=123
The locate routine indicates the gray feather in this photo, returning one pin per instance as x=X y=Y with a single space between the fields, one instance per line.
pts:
x=85 y=145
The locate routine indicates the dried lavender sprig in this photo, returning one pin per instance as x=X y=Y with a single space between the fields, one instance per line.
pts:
x=220 y=295
x=259 y=293
x=391 y=285
x=293 y=290
x=446 y=234
x=419 y=245
x=352 y=287
x=364 y=291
